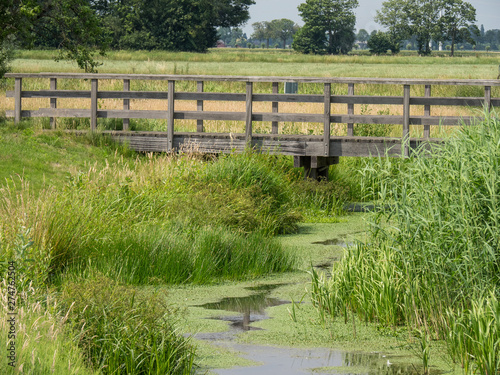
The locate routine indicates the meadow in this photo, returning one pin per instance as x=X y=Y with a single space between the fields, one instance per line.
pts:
x=94 y=228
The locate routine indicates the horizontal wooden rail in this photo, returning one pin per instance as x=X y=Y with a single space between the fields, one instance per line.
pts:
x=255 y=79
x=249 y=96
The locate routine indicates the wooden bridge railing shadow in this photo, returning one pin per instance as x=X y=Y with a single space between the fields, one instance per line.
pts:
x=315 y=153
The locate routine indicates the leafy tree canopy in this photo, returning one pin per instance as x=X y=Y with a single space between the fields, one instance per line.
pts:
x=329 y=24
x=73 y=23
x=440 y=20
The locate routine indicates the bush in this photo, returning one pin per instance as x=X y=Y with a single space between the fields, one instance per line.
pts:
x=381 y=42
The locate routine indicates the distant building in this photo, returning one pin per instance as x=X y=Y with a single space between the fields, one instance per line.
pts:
x=221 y=44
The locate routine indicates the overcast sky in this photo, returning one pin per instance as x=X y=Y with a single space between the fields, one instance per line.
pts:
x=488 y=13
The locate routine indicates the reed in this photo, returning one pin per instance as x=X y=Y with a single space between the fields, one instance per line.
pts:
x=432 y=250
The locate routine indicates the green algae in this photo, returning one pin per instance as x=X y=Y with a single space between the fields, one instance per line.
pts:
x=299 y=324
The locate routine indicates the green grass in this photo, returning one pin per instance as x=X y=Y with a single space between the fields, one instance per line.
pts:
x=273 y=62
x=432 y=261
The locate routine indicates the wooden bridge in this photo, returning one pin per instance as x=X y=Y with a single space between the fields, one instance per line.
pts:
x=313 y=152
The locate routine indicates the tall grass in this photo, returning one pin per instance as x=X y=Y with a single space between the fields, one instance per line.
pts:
x=434 y=254
x=160 y=219
x=43 y=344
x=122 y=332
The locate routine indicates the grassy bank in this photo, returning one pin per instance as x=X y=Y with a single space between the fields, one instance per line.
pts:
x=433 y=267
x=80 y=213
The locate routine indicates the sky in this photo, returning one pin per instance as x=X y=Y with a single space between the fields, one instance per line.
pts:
x=488 y=13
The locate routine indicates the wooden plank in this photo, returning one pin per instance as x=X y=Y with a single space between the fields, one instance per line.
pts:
x=288 y=98
x=170 y=116
x=199 y=107
x=18 y=88
x=332 y=80
x=248 y=113
x=406 y=120
x=339 y=99
x=326 y=119
x=302 y=147
x=126 y=104
x=53 y=102
x=94 y=87
x=427 y=112
x=487 y=97
x=210 y=96
x=350 y=110
x=275 y=109
x=288 y=117
x=205 y=115
x=465 y=102
x=367 y=99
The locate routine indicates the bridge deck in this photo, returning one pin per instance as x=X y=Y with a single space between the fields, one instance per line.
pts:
x=294 y=145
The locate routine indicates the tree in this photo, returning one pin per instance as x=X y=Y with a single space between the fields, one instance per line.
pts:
x=329 y=24
x=262 y=31
x=380 y=42
x=231 y=13
x=456 y=21
x=363 y=35
x=404 y=18
x=72 y=23
x=283 y=29
x=179 y=25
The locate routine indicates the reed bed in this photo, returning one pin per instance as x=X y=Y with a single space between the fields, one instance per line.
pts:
x=433 y=266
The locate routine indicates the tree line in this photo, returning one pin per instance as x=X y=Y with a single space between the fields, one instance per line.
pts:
x=81 y=29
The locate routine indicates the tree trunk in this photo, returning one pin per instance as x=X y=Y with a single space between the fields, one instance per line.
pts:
x=452 y=44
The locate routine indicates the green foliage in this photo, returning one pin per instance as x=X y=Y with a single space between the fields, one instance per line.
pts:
x=381 y=42
x=71 y=24
x=120 y=331
x=186 y=25
x=422 y=19
x=439 y=252
x=44 y=345
x=328 y=27
x=456 y=23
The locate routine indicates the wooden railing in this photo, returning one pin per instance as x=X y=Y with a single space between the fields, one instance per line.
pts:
x=249 y=97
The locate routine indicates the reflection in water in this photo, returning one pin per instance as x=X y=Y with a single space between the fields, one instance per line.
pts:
x=334 y=242
x=291 y=361
x=294 y=361
x=251 y=307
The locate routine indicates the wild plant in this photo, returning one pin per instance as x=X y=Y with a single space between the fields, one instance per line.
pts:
x=432 y=249
x=120 y=331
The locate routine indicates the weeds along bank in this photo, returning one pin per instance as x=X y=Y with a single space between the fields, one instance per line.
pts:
x=434 y=267
x=83 y=245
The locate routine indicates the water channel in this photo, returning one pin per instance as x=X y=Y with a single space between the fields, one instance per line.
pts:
x=252 y=306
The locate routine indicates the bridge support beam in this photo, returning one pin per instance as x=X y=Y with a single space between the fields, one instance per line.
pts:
x=315 y=167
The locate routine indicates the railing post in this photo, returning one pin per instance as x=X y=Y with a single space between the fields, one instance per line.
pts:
x=350 y=110
x=427 y=112
x=405 y=142
x=326 y=120
x=487 y=97
x=248 y=118
x=53 y=102
x=126 y=104
x=94 y=87
x=199 y=107
x=18 y=87
x=275 y=108
x=170 y=117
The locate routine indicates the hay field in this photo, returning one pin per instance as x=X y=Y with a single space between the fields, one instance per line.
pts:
x=259 y=63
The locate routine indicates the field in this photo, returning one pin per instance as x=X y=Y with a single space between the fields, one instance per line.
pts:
x=111 y=249
x=265 y=63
